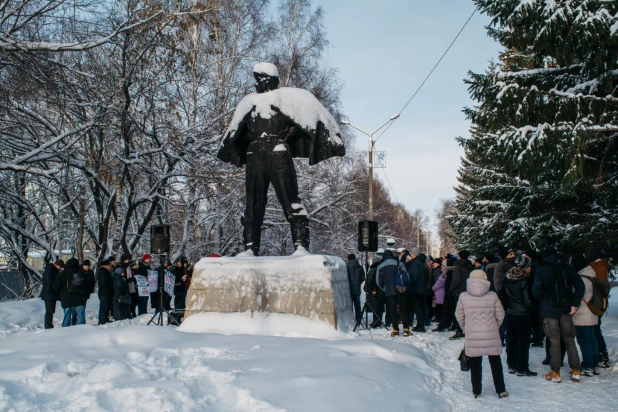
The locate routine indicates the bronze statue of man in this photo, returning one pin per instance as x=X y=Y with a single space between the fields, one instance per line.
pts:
x=268 y=130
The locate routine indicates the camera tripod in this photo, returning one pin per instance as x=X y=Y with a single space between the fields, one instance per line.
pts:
x=162 y=308
x=367 y=306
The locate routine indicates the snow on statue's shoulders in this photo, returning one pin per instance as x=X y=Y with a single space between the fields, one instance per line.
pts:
x=298 y=104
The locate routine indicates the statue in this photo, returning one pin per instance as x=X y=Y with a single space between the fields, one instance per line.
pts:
x=268 y=130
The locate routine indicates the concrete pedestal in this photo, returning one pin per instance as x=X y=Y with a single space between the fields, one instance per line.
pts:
x=312 y=286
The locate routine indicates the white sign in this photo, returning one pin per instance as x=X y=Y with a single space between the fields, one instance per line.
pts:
x=142 y=285
x=170 y=280
x=153 y=281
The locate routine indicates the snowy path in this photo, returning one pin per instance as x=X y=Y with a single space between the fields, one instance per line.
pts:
x=131 y=366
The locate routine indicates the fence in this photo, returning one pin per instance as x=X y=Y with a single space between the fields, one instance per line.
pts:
x=12 y=285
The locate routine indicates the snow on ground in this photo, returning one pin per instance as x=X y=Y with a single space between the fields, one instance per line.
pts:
x=233 y=363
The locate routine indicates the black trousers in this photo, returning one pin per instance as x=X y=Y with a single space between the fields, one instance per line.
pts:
x=518 y=342
x=50 y=309
x=416 y=302
x=476 y=373
x=398 y=307
x=600 y=338
x=438 y=310
x=448 y=312
x=269 y=161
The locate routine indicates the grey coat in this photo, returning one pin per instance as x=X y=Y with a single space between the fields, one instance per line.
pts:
x=480 y=314
x=500 y=271
x=386 y=272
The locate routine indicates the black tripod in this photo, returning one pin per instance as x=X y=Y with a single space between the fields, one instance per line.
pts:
x=162 y=308
x=367 y=306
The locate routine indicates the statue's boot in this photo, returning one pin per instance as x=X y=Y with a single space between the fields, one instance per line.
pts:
x=300 y=232
x=251 y=236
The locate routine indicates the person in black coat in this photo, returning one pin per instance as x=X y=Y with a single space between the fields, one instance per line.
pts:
x=519 y=308
x=106 y=291
x=356 y=277
x=376 y=297
x=47 y=292
x=143 y=266
x=461 y=273
x=74 y=287
x=132 y=283
x=558 y=321
x=89 y=275
x=180 y=285
x=122 y=297
x=416 y=268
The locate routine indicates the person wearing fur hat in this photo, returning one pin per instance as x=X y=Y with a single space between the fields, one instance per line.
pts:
x=480 y=314
x=461 y=273
x=519 y=308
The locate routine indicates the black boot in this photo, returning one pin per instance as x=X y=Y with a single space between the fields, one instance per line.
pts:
x=300 y=231
x=251 y=236
x=604 y=361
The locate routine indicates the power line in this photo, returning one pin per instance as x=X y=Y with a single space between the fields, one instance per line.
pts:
x=389 y=185
x=432 y=70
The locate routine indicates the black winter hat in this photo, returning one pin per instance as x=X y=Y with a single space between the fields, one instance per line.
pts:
x=105 y=262
x=549 y=251
x=579 y=262
x=463 y=254
x=532 y=254
x=503 y=252
x=86 y=262
x=71 y=263
x=593 y=253
x=351 y=256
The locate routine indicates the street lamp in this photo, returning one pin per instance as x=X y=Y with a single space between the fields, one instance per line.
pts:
x=370 y=155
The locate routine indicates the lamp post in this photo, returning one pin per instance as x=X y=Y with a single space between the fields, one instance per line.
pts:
x=370 y=153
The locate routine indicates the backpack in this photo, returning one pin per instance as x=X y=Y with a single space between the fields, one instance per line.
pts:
x=75 y=283
x=402 y=280
x=600 y=293
x=560 y=289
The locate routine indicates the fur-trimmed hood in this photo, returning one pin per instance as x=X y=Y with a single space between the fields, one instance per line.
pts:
x=516 y=273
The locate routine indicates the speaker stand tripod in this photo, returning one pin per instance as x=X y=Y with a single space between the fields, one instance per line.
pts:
x=367 y=306
x=162 y=308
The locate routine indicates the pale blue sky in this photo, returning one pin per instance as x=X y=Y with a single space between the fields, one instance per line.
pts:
x=384 y=49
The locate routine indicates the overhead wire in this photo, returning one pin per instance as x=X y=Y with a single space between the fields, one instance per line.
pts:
x=431 y=72
x=389 y=185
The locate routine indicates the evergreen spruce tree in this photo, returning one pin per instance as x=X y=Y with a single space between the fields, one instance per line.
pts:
x=541 y=167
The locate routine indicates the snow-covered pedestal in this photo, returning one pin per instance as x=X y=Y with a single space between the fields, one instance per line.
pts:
x=313 y=286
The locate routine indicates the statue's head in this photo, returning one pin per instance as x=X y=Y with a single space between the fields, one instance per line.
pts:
x=266 y=77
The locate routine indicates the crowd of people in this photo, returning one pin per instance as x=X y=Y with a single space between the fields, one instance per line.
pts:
x=119 y=298
x=522 y=299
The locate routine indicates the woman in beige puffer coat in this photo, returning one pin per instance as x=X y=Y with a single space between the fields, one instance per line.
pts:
x=480 y=314
x=585 y=321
